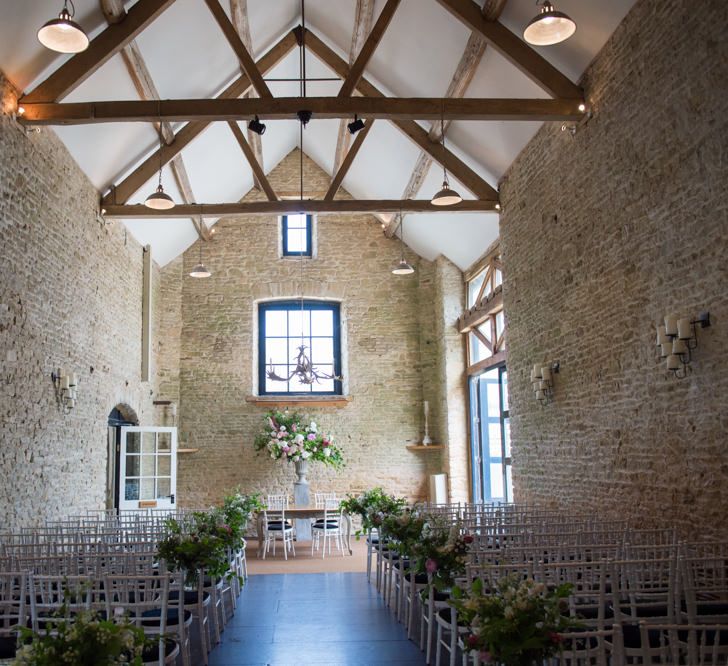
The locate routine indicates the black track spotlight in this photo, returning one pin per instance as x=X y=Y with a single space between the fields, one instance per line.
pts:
x=256 y=126
x=355 y=125
x=304 y=117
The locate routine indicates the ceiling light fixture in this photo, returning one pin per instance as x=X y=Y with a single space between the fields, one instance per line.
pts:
x=446 y=196
x=159 y=199
x=63 y=34
x=256 y=126
x=355 y=125
x=402 y=267
x=549 y=26
x=200 y=270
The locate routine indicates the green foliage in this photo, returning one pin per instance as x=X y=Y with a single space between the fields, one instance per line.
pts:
x=441 y=549
x=238 y=508
x=87 y=640
x=518 y=623
x=293 y=437
x=199 y=542
x=372 y=506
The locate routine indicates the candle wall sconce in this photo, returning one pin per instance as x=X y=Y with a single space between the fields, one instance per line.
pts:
x=66 y=385
x=542 y=380
x=676 y=339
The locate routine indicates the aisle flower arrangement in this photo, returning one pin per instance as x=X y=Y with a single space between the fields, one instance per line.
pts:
x=441 y=550
x=292 y=437
x=517 y=624
x=87 y=639
x=372 y=506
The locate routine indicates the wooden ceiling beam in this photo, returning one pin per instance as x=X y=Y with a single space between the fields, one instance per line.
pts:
x=362 y=27
x=79 y=67
x=246 y=60
x=410 y=128
x=520 y=54
x=396 y=109
x=348 y=160
x=367 y=51
x=461 y=79
x=142 y=79
x=121 y=192
x=343 y=206
x=254 y=165
x=239 y=13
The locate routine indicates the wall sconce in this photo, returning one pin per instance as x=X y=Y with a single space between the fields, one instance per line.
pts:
x=543 y=382
x=677 y=338
x=65 y=384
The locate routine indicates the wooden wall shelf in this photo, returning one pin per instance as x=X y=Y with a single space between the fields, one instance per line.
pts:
x=187 y=450
x=429 y=447
x=299 y=400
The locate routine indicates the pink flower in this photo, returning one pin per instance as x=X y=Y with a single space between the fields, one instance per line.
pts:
x=325 y=443
x=472 y=640
x=430 y=565
x=485 y=656
x=311 y=437
x=555 y=638
x=294 y=427
x=468 y=538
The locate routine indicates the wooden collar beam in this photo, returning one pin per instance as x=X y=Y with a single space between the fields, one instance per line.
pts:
x=285 y=108
x=139 y=211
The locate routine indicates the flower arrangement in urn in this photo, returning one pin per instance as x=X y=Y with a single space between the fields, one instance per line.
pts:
x=295 y=438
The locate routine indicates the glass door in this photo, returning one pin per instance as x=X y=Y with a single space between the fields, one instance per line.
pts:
x=490 y=442
x=148 y=469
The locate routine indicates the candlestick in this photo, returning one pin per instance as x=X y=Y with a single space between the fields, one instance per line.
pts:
x=671 y=325
x=684 y=329
x=426 y=440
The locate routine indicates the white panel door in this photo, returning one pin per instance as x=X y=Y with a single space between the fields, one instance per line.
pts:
x=148 y=469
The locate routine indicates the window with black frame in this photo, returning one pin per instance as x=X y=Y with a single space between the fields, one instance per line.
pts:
x=297 y=231
x=286 y=326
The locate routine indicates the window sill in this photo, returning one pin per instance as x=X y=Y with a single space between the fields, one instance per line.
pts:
x=298 y=400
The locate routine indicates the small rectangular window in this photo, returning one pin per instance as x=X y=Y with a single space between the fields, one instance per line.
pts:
x=297 y=235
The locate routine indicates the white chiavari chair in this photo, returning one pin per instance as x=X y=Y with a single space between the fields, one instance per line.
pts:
x=14 y=612
x=327 y=529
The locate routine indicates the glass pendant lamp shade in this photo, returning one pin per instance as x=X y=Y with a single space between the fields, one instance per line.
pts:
x=159 y=200
x=200 y=271
x=402 y=268
x=63 y=34
x=549 y=27
x=446 y=196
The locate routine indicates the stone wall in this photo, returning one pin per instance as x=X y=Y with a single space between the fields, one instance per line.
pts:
x=602 y=235
x=70 y=295
x=387 y=364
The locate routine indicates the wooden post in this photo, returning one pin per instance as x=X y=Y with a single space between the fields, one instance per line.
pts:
x=147 y=314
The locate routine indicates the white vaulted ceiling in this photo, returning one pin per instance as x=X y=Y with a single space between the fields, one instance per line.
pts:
x=188 y=57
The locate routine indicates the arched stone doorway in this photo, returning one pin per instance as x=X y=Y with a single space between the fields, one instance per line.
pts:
x=121 y=415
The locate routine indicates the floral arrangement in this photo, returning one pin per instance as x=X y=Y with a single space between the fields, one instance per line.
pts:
x=441 y=550
x=518 y=623
x=372 y=506
x=403 y=530
x=294 y=438
x=200 y=542
x=237 y=509
x=86 y=640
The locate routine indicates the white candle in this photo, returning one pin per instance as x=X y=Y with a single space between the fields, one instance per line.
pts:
x=684 y=329
x=73 y=381
x=546 y=373
x=661 y=335
x=533 y=375
x=665 y=349
x=673 y=362
x=543 y=385
x=671 y=325
x=539 y=395
x=537 y=371
x=64 y=382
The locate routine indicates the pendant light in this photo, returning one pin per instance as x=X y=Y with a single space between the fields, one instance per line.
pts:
x=446 y=196
x=402 y=267
x=159 y=199
x=200 y=271
x=549 y=26
x=63 y=34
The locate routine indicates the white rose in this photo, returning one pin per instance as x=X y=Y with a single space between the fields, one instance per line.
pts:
x=299 y=438
x=305 y=455
x=327 y=452
x=313 y=426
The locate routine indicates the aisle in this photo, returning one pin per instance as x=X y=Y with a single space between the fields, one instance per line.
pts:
x=324 y=619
